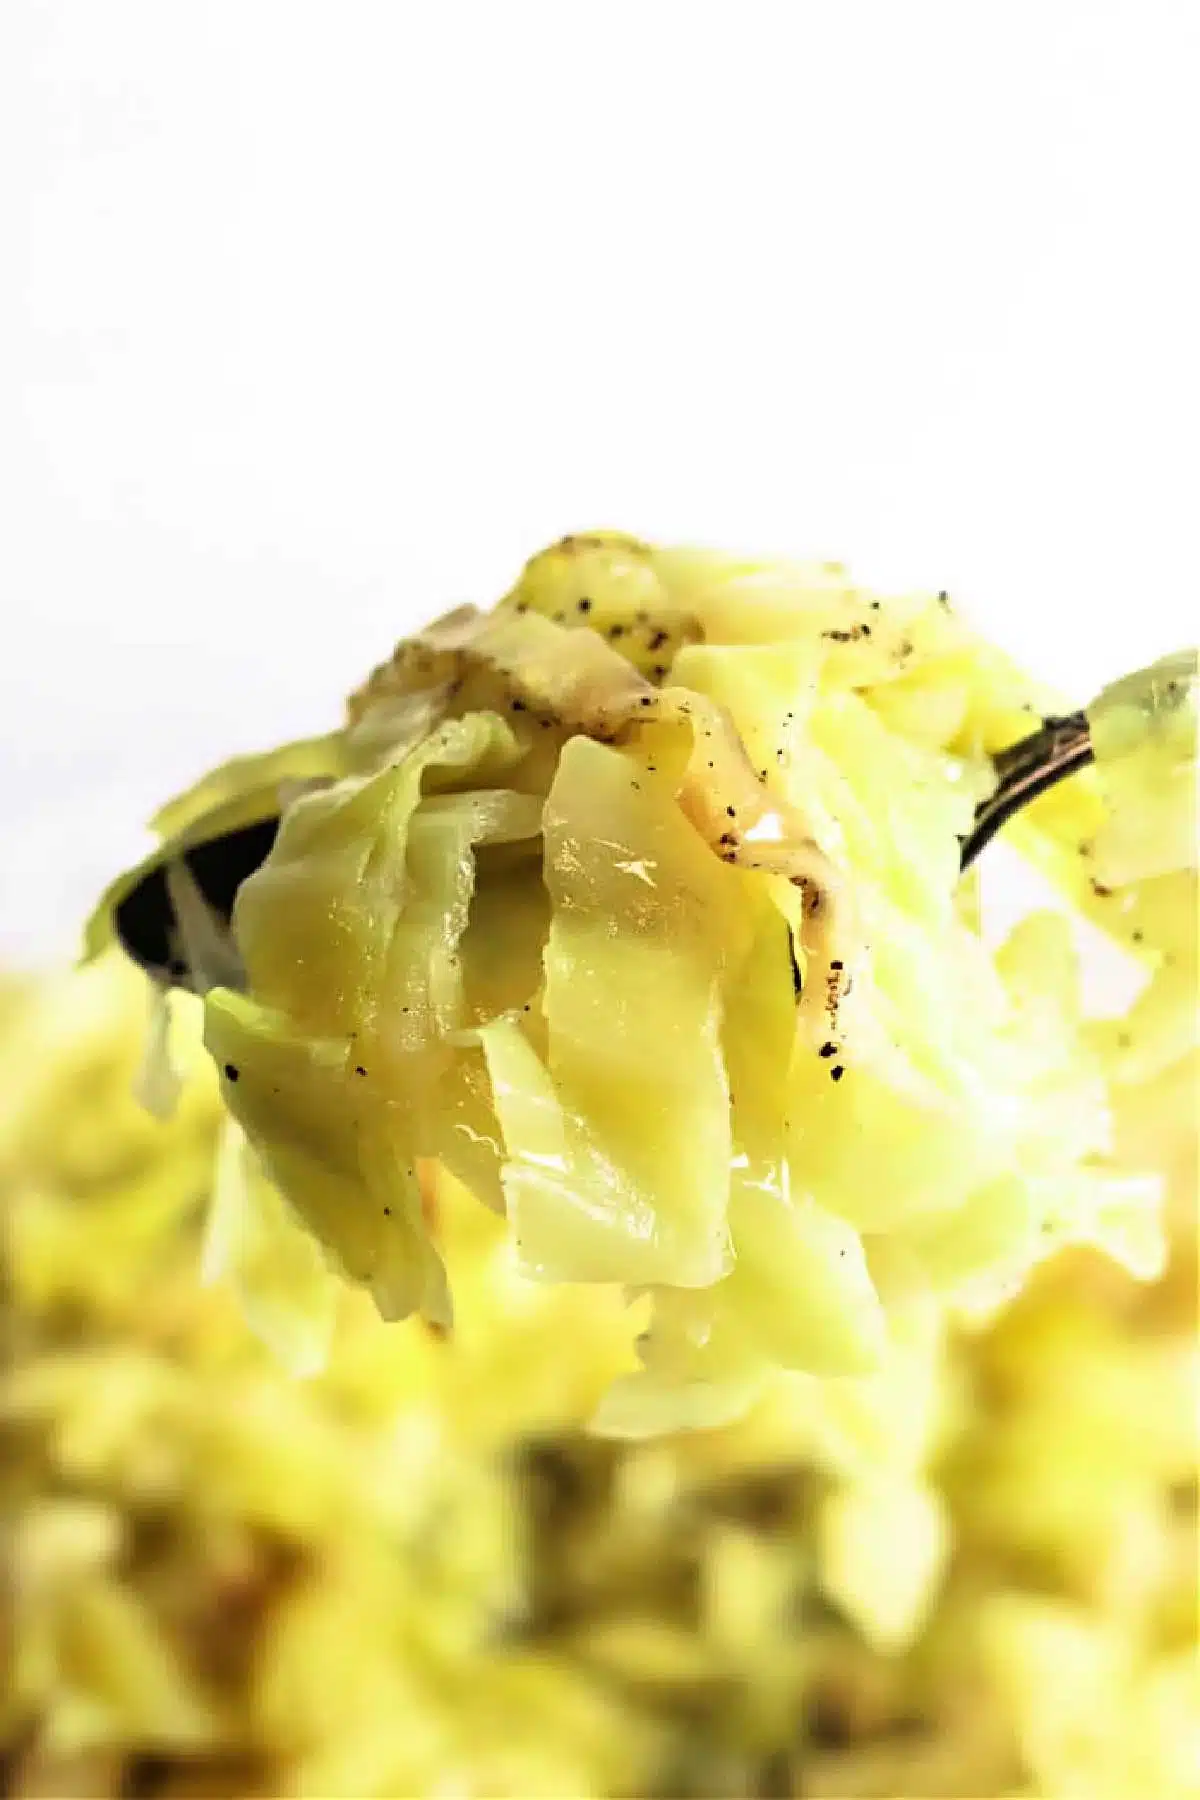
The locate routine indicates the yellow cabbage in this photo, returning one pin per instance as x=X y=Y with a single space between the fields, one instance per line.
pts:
x=634 y=905
x=971 y=1571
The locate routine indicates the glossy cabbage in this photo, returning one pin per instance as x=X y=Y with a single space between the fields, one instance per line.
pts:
x=634 y=905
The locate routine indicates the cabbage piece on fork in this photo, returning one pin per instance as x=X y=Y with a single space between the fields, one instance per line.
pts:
x=634 y=905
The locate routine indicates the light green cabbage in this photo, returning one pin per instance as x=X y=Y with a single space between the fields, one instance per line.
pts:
x=634 y=904
x=243 y=791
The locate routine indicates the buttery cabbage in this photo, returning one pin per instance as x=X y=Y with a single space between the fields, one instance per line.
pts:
x=971 y=1572
x=634 y=906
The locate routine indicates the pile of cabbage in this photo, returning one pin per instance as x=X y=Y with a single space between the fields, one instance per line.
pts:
x=970 y=1572
x=633 y=907
x=578 y=915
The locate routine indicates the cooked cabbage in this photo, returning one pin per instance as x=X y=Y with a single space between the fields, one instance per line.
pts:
x=634 y=905
x=970 y=1572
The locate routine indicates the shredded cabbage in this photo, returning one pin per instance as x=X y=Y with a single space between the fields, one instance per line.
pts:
x=972 y=1571
x=634 y=905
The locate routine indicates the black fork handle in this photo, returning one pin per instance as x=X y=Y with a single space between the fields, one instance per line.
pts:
x=1026 y=769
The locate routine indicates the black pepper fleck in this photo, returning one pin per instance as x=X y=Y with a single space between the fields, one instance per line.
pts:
x=838 y=966
x=827 y=1050
x=231 y=1072
x=585 y=605
x=358 y=1069
x=836 y=1073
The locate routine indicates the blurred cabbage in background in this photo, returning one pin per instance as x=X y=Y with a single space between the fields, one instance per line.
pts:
x=972 y=1573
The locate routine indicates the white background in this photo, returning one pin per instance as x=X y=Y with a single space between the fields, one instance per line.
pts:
x=317 y=318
